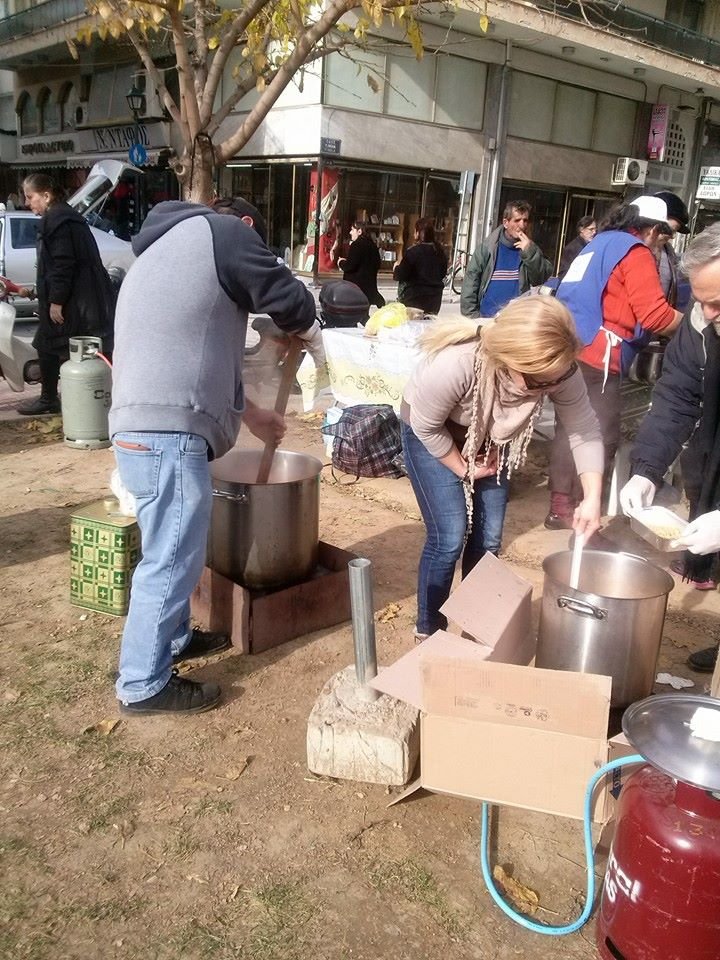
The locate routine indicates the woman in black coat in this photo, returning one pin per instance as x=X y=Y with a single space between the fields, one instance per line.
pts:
x=421 y=272
x=362 y=264
x=74 y=291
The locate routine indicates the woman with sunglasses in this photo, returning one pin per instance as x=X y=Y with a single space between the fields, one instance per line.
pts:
x=468 y=413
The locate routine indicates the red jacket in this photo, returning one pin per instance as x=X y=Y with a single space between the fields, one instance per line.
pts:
x=633 y=295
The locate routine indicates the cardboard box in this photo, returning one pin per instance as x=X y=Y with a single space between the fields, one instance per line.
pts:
x=492 y=727
x=104 y=551
x=258 y=620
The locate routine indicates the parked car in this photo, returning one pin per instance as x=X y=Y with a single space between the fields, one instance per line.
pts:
x=18 y=232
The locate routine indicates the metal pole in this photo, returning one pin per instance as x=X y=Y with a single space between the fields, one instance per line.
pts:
x=363 y=624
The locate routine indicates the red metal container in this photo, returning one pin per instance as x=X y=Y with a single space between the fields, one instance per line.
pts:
x=661 y=896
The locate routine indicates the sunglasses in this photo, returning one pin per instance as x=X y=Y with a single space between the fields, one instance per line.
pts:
x=533 y=383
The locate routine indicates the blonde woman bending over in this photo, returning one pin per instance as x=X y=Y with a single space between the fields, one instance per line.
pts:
x=467 y=418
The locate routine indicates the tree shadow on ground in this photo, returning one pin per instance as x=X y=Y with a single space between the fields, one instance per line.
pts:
x=34 y=534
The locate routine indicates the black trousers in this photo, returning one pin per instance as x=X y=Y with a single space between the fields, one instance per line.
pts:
x=563 y=477
x=50 y=364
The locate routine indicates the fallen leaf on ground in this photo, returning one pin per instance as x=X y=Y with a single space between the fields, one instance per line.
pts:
x=525 y=899
x=234 y=773
x=11 y=696
x=388 y=613
x=103 y=727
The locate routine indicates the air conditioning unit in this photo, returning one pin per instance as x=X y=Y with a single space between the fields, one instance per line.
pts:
x=153 y=108
x=627 y=170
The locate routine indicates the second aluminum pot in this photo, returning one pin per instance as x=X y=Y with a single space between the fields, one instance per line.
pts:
x=612 y=624
x=265 y=535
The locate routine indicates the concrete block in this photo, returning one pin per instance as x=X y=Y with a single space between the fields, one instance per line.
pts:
x=353 y=739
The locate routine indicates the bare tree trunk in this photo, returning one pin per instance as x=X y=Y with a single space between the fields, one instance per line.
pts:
x=194 y=170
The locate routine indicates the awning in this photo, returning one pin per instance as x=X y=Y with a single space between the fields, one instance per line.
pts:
x=88 y=159
x=37 y=164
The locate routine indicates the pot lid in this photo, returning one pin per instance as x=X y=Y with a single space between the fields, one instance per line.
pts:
x=661 y=729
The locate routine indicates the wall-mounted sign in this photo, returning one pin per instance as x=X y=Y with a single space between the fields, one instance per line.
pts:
x=329 y=145
x=709 y=185
x=120 y=138
x=47 y=146
x=657 y=137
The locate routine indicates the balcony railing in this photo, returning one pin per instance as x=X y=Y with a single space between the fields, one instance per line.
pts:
x=42 y=16
x=633 y=25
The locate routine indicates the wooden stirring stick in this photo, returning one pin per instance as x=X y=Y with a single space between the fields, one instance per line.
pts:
x=286 y=381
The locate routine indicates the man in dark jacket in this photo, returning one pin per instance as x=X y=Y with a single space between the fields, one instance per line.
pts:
x=687 y=398
x=586 y=230
x=178 y=401
x=505 y=265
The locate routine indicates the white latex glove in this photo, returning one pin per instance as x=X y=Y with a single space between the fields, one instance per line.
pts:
x=702 y=535
x=637 y=493
x=313 y=341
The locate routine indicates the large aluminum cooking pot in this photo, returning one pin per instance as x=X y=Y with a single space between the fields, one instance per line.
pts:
x=612 y=624
x=265 y=535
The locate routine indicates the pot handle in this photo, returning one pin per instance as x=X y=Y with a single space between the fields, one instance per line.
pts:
x=582 y=607
x=234 y=497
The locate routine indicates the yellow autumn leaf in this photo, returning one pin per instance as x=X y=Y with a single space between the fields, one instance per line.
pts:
x=484 y=23
x=213 y=43
x=260 y=84
x=157 y=14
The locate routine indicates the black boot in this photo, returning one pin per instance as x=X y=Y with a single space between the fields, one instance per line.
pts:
x=39 y=406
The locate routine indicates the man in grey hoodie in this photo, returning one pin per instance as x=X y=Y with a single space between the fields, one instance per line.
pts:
x=178 y=402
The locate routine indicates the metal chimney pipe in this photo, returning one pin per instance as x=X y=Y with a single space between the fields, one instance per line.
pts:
x=363 y=625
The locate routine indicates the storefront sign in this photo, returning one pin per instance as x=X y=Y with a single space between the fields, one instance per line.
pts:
x=36 y=147
x=328 y=145
x=120 y=138
x=657 y=137
x=709 y=186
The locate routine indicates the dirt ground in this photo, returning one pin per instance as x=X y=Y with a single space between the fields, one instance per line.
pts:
x=206 y=837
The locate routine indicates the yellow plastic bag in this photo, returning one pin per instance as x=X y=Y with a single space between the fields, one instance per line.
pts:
x=391 y=315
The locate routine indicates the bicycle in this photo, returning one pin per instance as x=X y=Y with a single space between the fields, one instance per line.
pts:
x=455 y=276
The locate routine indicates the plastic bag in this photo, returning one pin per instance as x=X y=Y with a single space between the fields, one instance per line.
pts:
x=391 y=315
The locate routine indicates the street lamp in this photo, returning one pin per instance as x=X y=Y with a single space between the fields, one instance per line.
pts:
x=135 y=101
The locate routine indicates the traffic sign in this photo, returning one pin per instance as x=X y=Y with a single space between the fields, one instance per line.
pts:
x=137 y=154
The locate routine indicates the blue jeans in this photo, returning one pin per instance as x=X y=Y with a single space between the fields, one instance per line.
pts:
x=169 y=476
x=442 y=505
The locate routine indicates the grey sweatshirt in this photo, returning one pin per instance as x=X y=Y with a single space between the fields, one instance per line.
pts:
x=181 y=320
x=440 y=390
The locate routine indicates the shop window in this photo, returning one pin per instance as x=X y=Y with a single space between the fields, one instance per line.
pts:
x=685 y=13
x=573 y=116
x=109 y=91
x=67 y=101
x=27 y=115
x=614 y=124
x=358 y=84
x=531 y=107
x=460 y=92
x=551 y=112
x=410 y=87
x=48 y=112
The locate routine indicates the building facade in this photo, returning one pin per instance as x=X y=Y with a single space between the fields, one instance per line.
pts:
x=545 y=105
